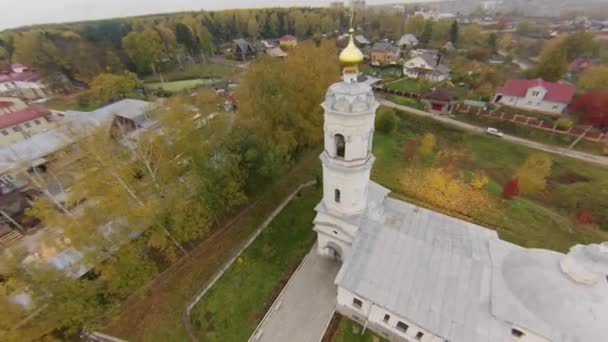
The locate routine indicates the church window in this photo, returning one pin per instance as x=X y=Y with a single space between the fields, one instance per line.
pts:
x=402 y=326
x=340 y=145
x=357 y=303
x=386 y=318
x=419 y=335
x=517 y=333
x=337 y=195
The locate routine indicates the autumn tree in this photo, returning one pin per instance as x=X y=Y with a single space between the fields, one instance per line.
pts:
x=144 y=49
x=109 y=87
x=511 y=188
x=415 y=25
x=185 y=36
x=277 y=110
x=580 y=44
x=532 y=175
x=505 y=42
x=591 y=108
x=471 y=36
x=447 y=191
x=427 y=144
x=37 y=50
x=552 y=65
x=593 y=78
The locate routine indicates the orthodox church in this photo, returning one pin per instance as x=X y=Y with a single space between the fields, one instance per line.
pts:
x=412 y=274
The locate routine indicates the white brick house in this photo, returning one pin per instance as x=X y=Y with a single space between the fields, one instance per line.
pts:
x=426 y=66
x=536 y=95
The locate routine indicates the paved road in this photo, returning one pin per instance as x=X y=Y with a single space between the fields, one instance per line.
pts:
x=603 y=161
x=303 y=310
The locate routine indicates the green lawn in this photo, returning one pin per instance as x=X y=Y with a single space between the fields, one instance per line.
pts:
x=68 y=102
x=195 y=71
x=546 y=137
x=177 y=86
x=350 y=331
x=543 y=220
x=406 y=84
x=233 y=307
x=404 y=101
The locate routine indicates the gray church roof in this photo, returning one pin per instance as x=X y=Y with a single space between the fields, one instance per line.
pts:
x=461 y=282
x=429 y=268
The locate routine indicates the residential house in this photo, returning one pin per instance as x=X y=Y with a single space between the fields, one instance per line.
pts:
x=536 y=95
x=408 y=40
x=19 y=121
x=384 y=53
x=20 y=81
x=361 y=41
x=288 y=41
x=448 y=47
x=242 y=49
x=580 y=64
x=439 y=101
x=426 y=66
x=34 y=150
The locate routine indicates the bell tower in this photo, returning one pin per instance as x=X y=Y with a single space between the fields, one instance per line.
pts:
x=350 y=110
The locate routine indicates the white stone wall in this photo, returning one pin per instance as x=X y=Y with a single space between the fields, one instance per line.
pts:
x=357 y=130
x=352 y=185
x=528 y=336
x=374 y=315
x=533 y=104
x=324 y=240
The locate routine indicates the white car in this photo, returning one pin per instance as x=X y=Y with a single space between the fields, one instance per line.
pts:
x=495 y=132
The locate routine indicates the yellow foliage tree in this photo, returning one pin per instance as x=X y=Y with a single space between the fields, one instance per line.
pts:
x=445 y=190
x=279 y=99
x=480 y=179
x=533 y=174
x=427 y=144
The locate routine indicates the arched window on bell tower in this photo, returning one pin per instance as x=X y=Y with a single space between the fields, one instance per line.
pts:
x=337 y=195
x=340 y=145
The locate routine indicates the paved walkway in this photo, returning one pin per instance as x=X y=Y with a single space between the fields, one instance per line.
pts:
x=199 y=295
x=599 y=160
x=303 y=310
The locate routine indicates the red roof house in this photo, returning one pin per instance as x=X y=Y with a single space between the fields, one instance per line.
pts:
x=21 y=116
x=536 y=95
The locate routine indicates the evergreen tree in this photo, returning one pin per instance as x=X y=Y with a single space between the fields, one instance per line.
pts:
x=454 y=33
x=492 y=42
x=427 y=33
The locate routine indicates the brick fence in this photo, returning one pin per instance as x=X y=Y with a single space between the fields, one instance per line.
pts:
x=532 y=122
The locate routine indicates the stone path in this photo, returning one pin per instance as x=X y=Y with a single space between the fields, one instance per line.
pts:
x=305 y=306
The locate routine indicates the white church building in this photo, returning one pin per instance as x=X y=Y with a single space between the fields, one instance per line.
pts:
x=412 y=274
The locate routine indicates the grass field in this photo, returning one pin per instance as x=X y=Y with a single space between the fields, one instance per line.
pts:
x=406 y=84
x=350 y=331
x=233 y=307
x=543 y=220
x=195 y=71
x=156 y=315
x=68 y=102
x=556 y=139
x=177 y=86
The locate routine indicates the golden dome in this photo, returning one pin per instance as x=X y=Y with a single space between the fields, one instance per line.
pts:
x=351 y=55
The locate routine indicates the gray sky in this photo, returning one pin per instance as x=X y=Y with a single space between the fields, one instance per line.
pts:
x=27 y=12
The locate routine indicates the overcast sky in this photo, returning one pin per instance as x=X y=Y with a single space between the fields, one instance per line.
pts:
x=27 y=12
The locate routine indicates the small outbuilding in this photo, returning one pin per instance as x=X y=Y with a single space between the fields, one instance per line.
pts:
x=439 y=101
x=288 y=41
x=242 y=49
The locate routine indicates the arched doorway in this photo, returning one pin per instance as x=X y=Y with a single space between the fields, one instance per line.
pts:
x=334 y=251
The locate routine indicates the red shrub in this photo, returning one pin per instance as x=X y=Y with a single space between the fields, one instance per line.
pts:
x=511 y=188
x=593 y=108
x=585 y=217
